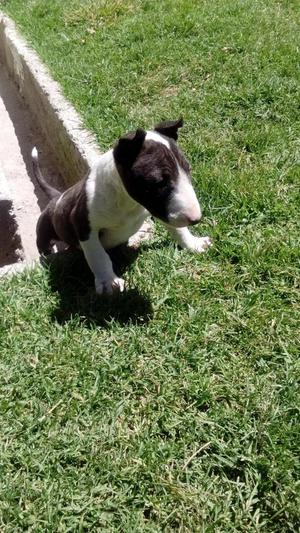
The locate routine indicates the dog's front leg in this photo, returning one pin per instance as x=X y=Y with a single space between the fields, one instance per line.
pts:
x=101 y=266
x=186 y=240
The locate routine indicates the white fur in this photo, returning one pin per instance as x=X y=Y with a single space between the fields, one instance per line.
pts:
x=116 y=214
x=110 y=206
x=154 y=136
x=59 y=199
x=183 y=206
x=186 y=240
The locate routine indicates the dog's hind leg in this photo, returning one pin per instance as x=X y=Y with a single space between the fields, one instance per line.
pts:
x=45 y=233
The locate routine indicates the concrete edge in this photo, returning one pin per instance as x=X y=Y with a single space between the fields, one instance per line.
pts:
x=17 y=268
x=74 y=147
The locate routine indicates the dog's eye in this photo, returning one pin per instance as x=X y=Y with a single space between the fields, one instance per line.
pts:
x=165 y=178
x=158 y=181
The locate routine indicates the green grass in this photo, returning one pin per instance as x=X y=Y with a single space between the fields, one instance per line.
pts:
x=176 y=405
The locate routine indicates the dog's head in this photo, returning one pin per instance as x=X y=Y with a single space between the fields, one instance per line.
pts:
x=157 y=175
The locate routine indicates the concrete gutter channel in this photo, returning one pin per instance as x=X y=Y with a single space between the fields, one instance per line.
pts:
x=33 y=112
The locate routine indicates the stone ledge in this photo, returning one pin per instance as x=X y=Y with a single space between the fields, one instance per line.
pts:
x=74 y=147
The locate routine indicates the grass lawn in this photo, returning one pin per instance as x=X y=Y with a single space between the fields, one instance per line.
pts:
x=176 y=405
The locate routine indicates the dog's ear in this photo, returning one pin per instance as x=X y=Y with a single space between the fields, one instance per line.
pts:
x=128 y=148
x=169 y=128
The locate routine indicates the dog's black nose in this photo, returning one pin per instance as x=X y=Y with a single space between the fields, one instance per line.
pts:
x=192 y=222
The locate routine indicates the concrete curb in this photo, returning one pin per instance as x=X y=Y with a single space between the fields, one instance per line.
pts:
x=74 y=147
x=17 y=268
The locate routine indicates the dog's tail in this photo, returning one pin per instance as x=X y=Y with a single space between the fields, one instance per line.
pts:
x=50 y=191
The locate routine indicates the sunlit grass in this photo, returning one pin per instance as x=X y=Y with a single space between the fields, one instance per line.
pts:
x=175 y=406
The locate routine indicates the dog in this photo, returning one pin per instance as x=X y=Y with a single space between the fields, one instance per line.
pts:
x=144 y=174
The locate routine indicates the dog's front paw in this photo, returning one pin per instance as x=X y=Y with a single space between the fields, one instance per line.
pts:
x=109 y=286
x=200 y=244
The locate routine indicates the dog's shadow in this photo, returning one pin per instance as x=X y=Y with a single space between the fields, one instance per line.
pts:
x=70 y=276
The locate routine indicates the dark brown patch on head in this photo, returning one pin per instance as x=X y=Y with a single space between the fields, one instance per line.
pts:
x=150 y=172
x=153 y=177
x=181 y=160
x=128 y=147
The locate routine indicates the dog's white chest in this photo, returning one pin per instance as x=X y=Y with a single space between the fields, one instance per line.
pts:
x=112 y=212
x=122 y=229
